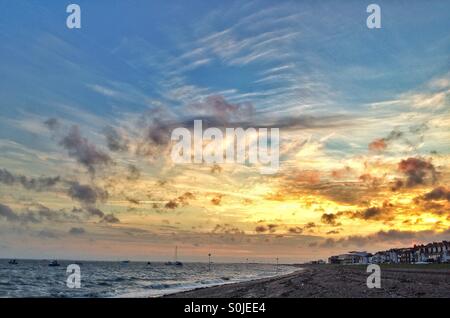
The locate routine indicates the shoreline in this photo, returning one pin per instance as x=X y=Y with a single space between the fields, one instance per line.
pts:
x=231 y=283
x=315 y=281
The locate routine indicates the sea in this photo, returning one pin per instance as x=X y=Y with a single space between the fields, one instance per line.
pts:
x=99 y=279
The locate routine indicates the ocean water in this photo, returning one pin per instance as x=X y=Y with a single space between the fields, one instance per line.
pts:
x=32 y=278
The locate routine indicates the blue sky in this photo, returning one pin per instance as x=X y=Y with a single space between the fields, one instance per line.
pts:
x=174 y=53
x=289 y=59
x=151 y=46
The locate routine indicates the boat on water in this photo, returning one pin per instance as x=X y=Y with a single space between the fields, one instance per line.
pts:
x=13 y=262
x=175 y=262
x=54 y=264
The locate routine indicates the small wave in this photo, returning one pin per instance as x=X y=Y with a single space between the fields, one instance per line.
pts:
x=212 y=282
x=162 y=286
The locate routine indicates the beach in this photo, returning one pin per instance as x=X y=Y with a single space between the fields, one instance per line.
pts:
x=315 y=281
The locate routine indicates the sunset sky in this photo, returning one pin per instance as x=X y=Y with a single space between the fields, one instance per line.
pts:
x=86 y=117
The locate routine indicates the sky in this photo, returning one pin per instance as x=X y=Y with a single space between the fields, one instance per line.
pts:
x=86 y=117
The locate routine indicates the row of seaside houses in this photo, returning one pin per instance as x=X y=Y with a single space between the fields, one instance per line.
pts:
x=436 y=252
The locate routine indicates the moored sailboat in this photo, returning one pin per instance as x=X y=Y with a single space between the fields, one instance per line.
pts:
x=175 y=262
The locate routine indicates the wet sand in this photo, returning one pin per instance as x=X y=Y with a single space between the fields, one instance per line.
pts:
x=337 y=281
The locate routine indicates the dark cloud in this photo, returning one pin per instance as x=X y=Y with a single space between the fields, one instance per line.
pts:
x=110 y=218
x=47 y=234
x=7 y=177
x=77 y=231
x=29 y=183
x=83 y=151
x=266 y=228
x=39 y=184
x=330 y=219
x=416 y=170
x=309 y=225
x=393 y=135
x=155 y=206
x=158 y=123
x=114 y=140
x=397 y=184
x=216 y=111
x=433 y=207
x=172 y=204
x=36 y=213
x=7 y=213
x=217 y=199
x=185 y=198
x=95 y=212
x=439 y=193
x=156 y=126
x=133 y=173
x=52 y=124
x=227 y=229
x=381 y=144
x=261 y=229
x=272 y=227
x=159 y=133
x=370 y=213
x=215 y=106
x=295 y=230
x=415 y=137
x=86 y=194
x=288 y=123
x=132 y=200
x=379 y=213
x=182 y=200
x=92 y=211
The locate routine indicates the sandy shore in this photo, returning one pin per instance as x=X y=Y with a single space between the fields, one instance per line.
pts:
x=337 y=281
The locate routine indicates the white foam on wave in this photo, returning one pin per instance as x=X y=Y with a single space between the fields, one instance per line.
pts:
x=153 y=290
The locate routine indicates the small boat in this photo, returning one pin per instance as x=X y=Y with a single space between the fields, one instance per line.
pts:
x=54 y=264
x=13 y=262
x=125 y=262
x=149 y=263
x=176 y=262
